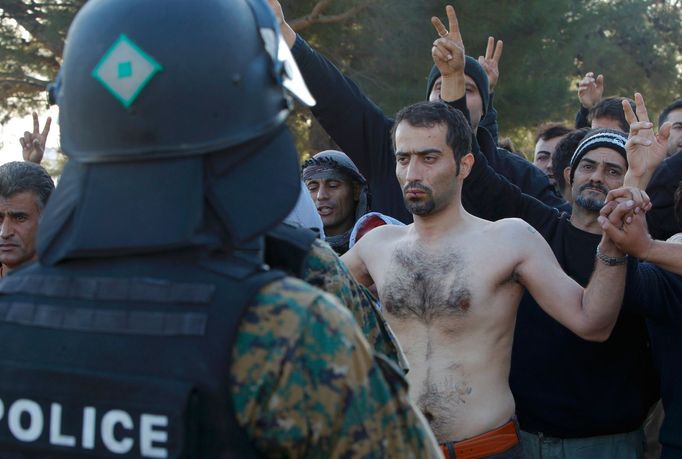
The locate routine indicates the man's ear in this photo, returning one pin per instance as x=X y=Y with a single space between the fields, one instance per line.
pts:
x=567 y=176
x=465 y=165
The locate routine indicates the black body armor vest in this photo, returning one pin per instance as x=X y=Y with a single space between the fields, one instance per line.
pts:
x=123 y=357
x=287 y=246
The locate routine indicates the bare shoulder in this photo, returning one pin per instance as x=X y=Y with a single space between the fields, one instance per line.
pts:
x=383 y=235
x=515 y=228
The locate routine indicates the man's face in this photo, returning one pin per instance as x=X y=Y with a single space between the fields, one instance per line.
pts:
x=335 y=200
x=599 y=171
x=605 y=122
x=425 y=168
x=544 y=153
x=19 y=216
x=675 y=139
x=474 y=99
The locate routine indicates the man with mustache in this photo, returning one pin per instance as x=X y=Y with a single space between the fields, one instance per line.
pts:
x=340 y=194
x=572 y=394
x=24 y=190
x=450 y=284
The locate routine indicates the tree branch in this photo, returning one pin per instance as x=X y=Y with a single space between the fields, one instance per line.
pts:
x=25 y=16
x=23 y=80
x=317 y=15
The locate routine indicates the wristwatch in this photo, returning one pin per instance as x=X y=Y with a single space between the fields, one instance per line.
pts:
x=611 y=261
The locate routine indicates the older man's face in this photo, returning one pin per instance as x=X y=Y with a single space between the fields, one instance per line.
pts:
x=19 y=217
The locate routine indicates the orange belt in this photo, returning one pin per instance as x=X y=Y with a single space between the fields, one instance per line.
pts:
x=494 y=442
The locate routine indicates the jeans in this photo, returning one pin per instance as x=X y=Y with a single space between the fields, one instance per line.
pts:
x=628 y=445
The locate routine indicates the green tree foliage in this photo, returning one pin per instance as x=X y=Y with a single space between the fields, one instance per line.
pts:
x=549 y=46
x=31 y=41
x=384 y=45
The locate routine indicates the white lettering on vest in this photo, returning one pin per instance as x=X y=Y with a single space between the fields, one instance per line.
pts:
x=56 y=435
x=88 y=440
x=26 y=422
x=109 y=421
x=148 y=435
x=35 y=415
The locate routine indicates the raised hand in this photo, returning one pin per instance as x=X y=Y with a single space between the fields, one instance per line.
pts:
x=448 y=50
x=491 y=61
x=287 y=32
x=590 y=90
x=645 y=150
x=33 y=143
x=627 y=230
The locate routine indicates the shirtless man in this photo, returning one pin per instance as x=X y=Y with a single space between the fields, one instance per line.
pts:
x=450 y=283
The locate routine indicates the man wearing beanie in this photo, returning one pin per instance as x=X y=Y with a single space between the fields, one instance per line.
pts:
x=339 y=192
x=363 y=131
x=574 y=399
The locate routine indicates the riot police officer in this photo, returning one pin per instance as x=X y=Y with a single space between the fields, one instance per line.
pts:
x=150 y=327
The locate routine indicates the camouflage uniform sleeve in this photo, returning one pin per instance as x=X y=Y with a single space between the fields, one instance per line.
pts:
x=325 y=270
x=306 y=384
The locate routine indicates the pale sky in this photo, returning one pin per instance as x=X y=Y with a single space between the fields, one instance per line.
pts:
x=10 y=148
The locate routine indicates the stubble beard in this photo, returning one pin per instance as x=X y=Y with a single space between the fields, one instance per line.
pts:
x=420 y=207
x=591 y=204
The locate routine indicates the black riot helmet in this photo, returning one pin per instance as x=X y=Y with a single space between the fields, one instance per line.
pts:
x=143 y=78
x=169 y=111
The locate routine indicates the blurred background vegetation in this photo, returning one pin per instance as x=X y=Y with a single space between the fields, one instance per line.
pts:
x=384 y=45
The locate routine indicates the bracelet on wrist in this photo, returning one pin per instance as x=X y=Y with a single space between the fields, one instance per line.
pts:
x=611 y=261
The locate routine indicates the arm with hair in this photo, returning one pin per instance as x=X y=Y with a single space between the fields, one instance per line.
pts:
x=629 y=231
x=590 y=313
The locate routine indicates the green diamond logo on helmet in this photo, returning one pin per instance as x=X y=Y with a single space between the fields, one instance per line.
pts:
x=125 y=70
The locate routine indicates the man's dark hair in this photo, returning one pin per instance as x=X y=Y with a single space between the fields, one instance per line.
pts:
x=23 y=176
x=563 y=153
x=663 y=117
x=612 y=108
x=678 y=206
x=430 y=114
x=548 y=131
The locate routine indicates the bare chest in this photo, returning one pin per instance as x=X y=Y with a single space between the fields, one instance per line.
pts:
x=426 y=286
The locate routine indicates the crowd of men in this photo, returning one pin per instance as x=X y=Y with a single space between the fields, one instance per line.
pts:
x=189 y=290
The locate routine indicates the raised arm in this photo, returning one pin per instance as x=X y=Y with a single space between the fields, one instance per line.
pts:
x=449 y=56
x=354 y=122
x=629 y=232
x=33 y=143
x=590 y=91
x=491 y=64
x=645 y=150
x=590 y=313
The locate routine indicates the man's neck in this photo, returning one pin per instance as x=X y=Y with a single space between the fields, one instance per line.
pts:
x=434 y=226
x=338 y=230
x=585 y=220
